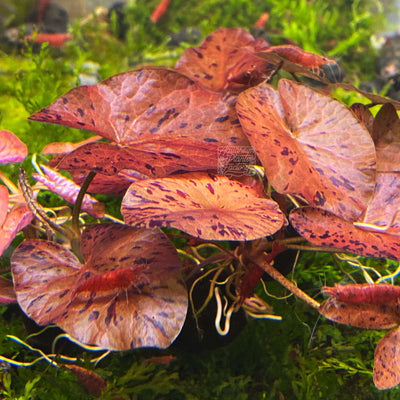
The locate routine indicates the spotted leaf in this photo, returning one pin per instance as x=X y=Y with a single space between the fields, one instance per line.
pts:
x=226 y=60
x=160 y=120
x=371 y=306
x=387 y=361
x=204 y=205
x=69 y=191
x=128 y=294
x=325 y=229
x=12 y=150
x=310 y=145
x=385 y=204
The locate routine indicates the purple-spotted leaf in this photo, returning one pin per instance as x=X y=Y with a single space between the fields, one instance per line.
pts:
x=371 y=306
x=325 y=229
x=310 y=145
x=385 y=204
x=387 y=361
x=226 y=60
x=7 y=293
x=128 y=294
x=69 y=191
x=161 y=121
x=204 y=205
x=12 y=150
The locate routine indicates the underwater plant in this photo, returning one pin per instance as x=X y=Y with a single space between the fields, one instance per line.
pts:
x=223 y=154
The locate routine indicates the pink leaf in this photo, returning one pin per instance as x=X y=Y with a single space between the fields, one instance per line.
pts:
x=128 y=294
x=304 y=142
x=204 y=205
x=12 y=150
x=69 y=190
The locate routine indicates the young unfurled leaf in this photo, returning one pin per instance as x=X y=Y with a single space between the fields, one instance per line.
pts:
x=310 y=145
x=226 y=61
x=204 y=205
x=160 y=120
x=93 y=382
x=325 y=229
x=128 y=294
x=69 y=190
x=12 y=150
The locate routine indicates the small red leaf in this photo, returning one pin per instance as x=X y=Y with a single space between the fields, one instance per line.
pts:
x=387 y=361
x=67 y=147
x=129 y=293
x=12 y=150
x=303 y=140
x=93 y=382
x=204 y=205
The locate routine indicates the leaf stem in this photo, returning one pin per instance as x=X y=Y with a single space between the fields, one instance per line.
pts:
x=270 y=270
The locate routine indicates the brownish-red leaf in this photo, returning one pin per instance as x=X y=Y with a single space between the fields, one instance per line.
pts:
x=204 y=205
x=67 y=147
x=310 y=145
x=7 y=293
x=161 y=120
x=226 y=61
x=12 y=150
x=93 y=382
x=325 y=229
x=384 y=206
x=387 y=361
x=128 y=294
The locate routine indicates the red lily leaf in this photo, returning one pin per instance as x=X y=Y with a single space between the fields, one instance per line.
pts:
x=69 y=191
x=12 y=150
x=7 y=293
x=3 y=204
x=67 y=147
x=11 y=222
x=371 y=306
x=385 y=204
x=168 y=123
x=226 y=61
x=204 y=205
x=105 y=184
x=364 y=115
x=325 y=229
x=306 y=143
x=93 y=382
x=128 y=294
x=387 y=361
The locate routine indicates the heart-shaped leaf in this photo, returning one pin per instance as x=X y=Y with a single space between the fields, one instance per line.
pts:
x=226 y=60
x=12 y=150
x=128 y=294
x=303 y=140
x=325 y=229
x=387 y=361
x=161 y=120
x=204 y=205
